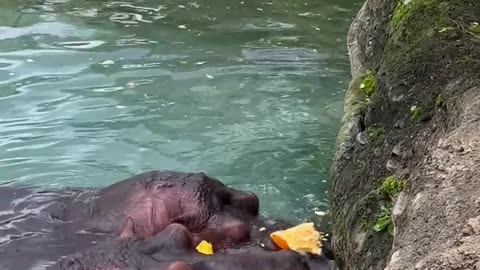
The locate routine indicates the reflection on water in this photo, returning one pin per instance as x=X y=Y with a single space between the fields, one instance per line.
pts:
x=248 y=91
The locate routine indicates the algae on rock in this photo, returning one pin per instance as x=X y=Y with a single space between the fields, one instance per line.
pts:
x=423 y=54
x=368 y=84
x=391 y=186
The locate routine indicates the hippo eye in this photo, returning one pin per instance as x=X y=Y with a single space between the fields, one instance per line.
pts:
x=226 y=199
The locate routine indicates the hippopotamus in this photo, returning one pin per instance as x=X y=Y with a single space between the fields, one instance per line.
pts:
x=173 y=249
x=66 y=221
x=152 y=200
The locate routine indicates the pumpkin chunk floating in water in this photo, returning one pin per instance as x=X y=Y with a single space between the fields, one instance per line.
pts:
x=302 y=238
x=205 y=247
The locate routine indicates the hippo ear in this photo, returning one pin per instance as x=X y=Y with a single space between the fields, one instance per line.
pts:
x=128 y=230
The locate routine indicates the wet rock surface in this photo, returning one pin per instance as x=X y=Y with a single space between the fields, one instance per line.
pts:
x=426 y=100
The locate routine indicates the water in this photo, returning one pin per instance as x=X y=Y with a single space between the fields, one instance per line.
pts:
x=249 y=92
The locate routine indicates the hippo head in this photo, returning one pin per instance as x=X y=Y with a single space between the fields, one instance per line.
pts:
x=153 y=200
x=173 y=249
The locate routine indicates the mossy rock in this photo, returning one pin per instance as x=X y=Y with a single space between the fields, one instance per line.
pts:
x=376 y=135
x=368 y=84
x=391 y=187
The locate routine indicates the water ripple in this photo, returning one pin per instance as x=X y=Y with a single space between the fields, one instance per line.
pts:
x=251 y=93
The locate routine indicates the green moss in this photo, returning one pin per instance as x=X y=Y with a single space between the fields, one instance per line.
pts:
x=416 y=113
x=401 y=9
x=404 y=24
x=391 y=186
x=367 y=224
x=383 y=221
x=376 y=134
x=368 y=84
x=424 y=25
x=440 y=101
x=389 y=189
x=355 y=105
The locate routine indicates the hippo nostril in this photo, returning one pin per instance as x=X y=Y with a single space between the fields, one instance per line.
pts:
x=245 y=201
x=251 y=203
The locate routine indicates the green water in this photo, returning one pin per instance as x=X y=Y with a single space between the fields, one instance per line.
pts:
x=250 y=92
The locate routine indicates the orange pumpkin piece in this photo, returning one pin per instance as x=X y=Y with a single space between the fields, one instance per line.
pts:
x=205 y=247
x=303 y=238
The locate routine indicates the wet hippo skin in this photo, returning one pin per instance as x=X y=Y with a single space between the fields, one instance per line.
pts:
x=38 y=227
x=173 y=249
x=206 y=207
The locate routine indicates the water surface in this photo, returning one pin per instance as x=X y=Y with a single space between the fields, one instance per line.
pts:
x=249 y=92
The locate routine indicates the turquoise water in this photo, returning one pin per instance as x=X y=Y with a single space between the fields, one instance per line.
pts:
x=249 y=92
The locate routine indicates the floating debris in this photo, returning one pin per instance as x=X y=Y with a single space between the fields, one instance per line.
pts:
x=107 y=62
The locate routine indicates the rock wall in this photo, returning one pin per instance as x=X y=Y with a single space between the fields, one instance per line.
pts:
x=406 y=175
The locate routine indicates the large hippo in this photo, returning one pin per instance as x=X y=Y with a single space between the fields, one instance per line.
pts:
x=152 y=200
x=66 y=221
x=173 y=249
